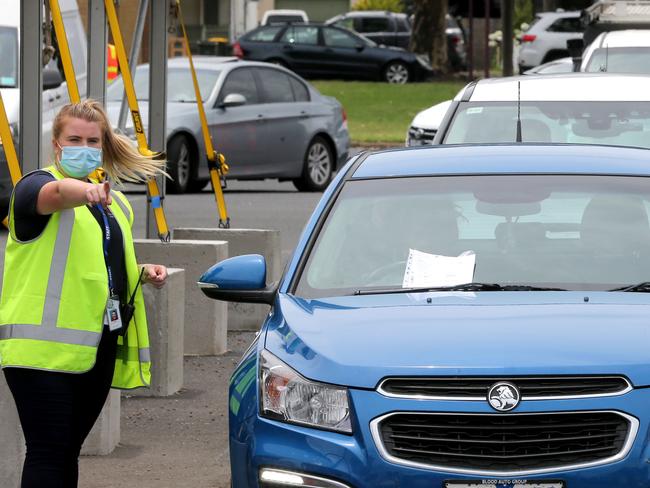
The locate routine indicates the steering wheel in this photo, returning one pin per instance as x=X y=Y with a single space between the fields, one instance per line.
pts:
x=375 y=277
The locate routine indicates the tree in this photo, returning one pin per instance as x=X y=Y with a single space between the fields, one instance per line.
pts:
x=390 y=5
x=428 y=34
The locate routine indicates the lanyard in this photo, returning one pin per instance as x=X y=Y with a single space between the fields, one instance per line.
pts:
x=107 y=241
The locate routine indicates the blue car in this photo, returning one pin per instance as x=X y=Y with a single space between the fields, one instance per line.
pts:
x=454 y=317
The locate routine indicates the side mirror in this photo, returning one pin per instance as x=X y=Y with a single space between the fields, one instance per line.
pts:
x=239 y=279
x=51 y=79
x=233 y=100
x=575 y=48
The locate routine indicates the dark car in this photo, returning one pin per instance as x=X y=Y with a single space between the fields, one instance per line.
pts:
x=313 y=50
x=394 y=29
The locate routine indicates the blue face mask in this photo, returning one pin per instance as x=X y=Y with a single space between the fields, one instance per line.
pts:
x=80 y=161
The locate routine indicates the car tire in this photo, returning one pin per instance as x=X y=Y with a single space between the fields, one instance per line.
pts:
x=196 y=186
x=396 y=72
x=179 y=164
x=318 y=166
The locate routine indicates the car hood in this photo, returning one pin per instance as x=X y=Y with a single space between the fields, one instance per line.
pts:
x=358 y=340
x=431 y=117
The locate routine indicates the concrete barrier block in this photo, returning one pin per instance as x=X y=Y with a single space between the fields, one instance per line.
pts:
x=205 y=319
x=166 y=320
x=12 y=442
x=244 y=316
x=105 y=434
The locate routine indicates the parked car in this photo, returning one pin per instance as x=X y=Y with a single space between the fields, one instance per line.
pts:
x=577 y=108
x=562 y=65
x=623 y=51
x=545 y=40
x=453 y=317
x=266 y=120
x=284 y=16
x=314 y=50
x=425 y=124
x=394 y=29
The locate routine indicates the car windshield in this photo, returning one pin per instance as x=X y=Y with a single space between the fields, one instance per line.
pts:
x=575 y=232
x=8 y=57
x=609 y=123
x=635 y=60
x=179 y=85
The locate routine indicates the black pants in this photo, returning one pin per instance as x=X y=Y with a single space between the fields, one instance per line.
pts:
x=57 y=411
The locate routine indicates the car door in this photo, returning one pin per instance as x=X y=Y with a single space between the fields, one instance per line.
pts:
x=284 y=131
x=301 y=50
x=234 y=130
x=347 y=54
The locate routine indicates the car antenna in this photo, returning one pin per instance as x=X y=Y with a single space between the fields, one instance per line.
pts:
x=519 y=112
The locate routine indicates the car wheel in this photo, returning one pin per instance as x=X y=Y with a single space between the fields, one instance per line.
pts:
x=396 y=72
x=318 y=167
x=179 y=164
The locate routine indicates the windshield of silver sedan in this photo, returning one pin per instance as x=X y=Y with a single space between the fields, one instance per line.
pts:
x=608 y=123
x=482 y=233
x=180 y=87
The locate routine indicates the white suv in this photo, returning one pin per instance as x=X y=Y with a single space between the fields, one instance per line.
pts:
x=545 y=40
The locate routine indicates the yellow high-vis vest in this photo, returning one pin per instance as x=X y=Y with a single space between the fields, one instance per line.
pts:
x=54 y=294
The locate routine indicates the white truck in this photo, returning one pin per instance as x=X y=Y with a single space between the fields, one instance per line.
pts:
x=55 y=93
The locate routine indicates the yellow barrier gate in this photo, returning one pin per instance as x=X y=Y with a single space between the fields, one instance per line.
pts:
x=154 y=193
x=216 y=161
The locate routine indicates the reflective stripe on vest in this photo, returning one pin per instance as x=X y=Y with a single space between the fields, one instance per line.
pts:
x=123 y=206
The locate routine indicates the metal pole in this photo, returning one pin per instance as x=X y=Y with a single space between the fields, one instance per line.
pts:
x=470 y=51
x=97 y=35
x=133 y=57
x=507 y=16
x=486 y=53
x=157 y=93
x=31 y=84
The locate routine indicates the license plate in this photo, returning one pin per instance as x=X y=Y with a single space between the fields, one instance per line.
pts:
x=515 y=483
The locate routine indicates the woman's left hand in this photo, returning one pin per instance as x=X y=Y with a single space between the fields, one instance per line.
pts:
x=156 y=274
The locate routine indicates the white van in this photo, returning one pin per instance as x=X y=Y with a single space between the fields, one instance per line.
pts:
x=284 y=16
x=55 y=93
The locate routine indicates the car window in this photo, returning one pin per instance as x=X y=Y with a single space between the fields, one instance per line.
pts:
x=8 y=57
x=276 y=85
x=634 y=60
x=301 y=35
x=241 y=81
x=339 y=38
x=76 y=42
x=587 y=122
x=264 y=34
x=180 y=87
x=578 y=232
x=573 y=24
x=300 y=91
x=375 y=24
x=402 y=24
x=347 y=23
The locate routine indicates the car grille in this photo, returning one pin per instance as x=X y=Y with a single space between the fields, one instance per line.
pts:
x=463 y=388
x=421 y=137
x=504 y=442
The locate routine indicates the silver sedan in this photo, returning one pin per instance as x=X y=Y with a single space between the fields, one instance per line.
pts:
x=266 y=120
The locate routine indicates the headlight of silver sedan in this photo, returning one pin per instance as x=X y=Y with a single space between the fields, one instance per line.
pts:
x=287 y=396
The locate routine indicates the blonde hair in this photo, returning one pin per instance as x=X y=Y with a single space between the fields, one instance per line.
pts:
x=120 y=158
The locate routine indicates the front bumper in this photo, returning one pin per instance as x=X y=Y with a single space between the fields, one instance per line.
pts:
x=356 y=461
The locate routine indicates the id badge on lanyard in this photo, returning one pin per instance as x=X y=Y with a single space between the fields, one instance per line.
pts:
x=112 y=316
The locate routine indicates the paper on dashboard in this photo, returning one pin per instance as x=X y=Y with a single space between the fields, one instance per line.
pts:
x=424 y=269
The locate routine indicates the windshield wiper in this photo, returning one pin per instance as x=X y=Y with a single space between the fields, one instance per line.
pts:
x=643 y=287
x=462 y=287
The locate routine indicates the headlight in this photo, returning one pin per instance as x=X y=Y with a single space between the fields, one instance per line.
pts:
x=288 y=397
x=423 y=59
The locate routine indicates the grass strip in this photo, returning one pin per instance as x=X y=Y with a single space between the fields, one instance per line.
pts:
x=382 y=112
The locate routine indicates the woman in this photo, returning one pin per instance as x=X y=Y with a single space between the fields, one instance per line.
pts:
x=69 y=274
